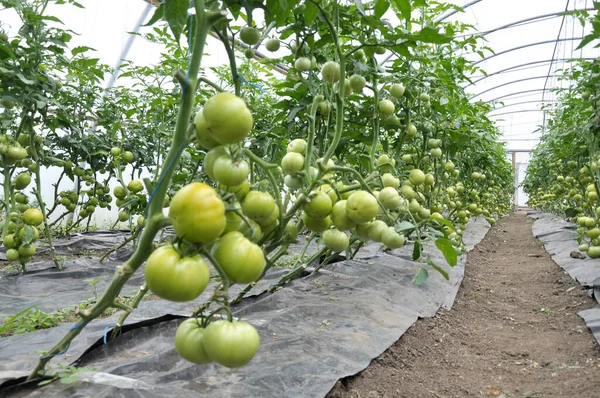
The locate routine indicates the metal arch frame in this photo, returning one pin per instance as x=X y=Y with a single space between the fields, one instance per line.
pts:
x=539 y=43
x=523 y=21
x=443 y=17
x=527 y=64
x=521 y=111
x=523 y=102
x=517 y=93
x=513 y=82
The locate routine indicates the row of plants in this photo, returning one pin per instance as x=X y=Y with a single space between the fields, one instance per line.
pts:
x=345 y=149
x=562 y=176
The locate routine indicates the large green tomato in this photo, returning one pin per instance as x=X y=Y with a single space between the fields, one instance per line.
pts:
x=242 y=260
x=33 y=217
x=330 y=72
x=189 y=342
x=292 y=162
x=389 y=198
x=210 y=159
x=231 y=344
x=357 y=82
x=302 y=64
x=340 y=218
x=386 y=107
x=128 y=157
x=272 y=45
x=119 y=192
x=397 y=90
x=290 y=234
x=198 y=213
x=203 y=137
x=227 y=118
x=318 y=205
x=316 y=225
x=10 y=241
x=16 y=153
x=335 y=240
x=411 y=130
x=416 y=177
x=22 y=180
x=230 y=173
x=12 y=255
x=391 y=238
x=258 y=205
x=176 y=278
x=375 y=231
x=361 y=207
x=135 y=186
x=26 y=250
x=249 y=35
x=389 y=180
x=298 y=146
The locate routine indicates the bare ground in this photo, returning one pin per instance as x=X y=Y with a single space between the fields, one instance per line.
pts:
x=513 y=332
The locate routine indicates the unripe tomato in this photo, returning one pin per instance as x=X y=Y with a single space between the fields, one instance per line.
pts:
x=330 y=72
x=173 y=277
x=249 y=53
x=203 y=137
x=189 y=342
x=389 y=180
x=324 y=108
x=397 y=90
x=316 y=225
x=198 y=213
x=22 y=180
x=297 y=146
x=335 y=240
x=135 y=186
x=273 y=218
x=357 y=82
x=272 y=45
x=339 y=217
x=115 y=151
x=414 y=206
x=436 y=153
x=411 y=130
x=429 y=179
x=290 y=233
x=118 y=191
x=389 y=198
x=230 y=173
x=302 y=64
x=128 y=157
x=33 y=217
x=386 y=107
x=16 y=153
x=231 y=344
x=318 y=206
x=424 y=97
x=292 y=162
x=242 y=260
x=380 y=50
x=12 y=255
x=25 y=251
x=240 y=191
x=123 y=216
x=361 y=207
x=249 y=35
x=593 y=252
x=375 y=230
x=9 y=241
x=347 y=88
x=449 y=166
x=416 y=177
x=392 y=239
x=292 y=182
x=228 y=119
x=424 y=213
x=385 y=163
x=258 y=205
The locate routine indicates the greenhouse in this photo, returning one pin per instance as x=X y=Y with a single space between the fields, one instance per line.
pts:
x=290 y=198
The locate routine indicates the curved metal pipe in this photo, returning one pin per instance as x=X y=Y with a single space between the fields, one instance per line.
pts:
x=523 y=102
x=522 y=111
x=539 y=43
x=517 y=93
x=443 y=17
x=515 y=81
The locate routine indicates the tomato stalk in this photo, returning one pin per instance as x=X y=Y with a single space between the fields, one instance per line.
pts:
x=156 y=220
x=136 y=302
x=375 y=118
x=224 y=284
x=295 y=272
x=7 y=196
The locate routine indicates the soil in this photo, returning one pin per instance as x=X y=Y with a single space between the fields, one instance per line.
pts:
x=512 y=332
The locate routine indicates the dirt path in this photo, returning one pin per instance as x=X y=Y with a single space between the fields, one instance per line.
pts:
x=513 y=332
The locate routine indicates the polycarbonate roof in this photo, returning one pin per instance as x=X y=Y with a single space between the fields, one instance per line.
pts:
x=528 y=59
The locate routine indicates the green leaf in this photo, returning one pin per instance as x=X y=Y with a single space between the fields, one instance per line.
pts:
x=158 y=14
x=439 y=269
x=404 y=7
x=310 y=13
x=176 y=15
x=69 y=379
x=586 y=40
x=421 y=277
x=404 y=226
x=360 y=7
x=417 y=250
x=431 y=35
x=80 y=50
x=381 y=6
x=449 y=252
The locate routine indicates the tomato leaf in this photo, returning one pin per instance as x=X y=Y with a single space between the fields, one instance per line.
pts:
x=449 y=252
x=158 y=14
x=421 y=277
x=438 y=269
x=381 y=6
x=360 y=7
x=404 y=7
x=176 y=15
x=432 y=35
x=310 y=13
x=417 y=250
x=29 y=234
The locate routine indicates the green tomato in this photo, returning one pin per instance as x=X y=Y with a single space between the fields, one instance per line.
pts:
x=316 y=225
x=198 y=213
x=249 y=35
x=290 y=233
x=189 y=342
x=302 y=64
x=375 y=230
x=258 y=205
x=318 y=205
x=203 y=137
x=392 y=239
x=135 y=186
x=335 y=240
x=361 y=207
x=297 y=145
x=330 y=72
x=118 y=191
x=272 y=45
x=173 y=277
x=12 y=255
x=26 y=251
x=228 y=119
x=22 y=180
x=123 y=216
x=397 y=90
x=16 y=153
x=231 y=344
x=10 y=241
x=340 y=218
x=292 y=163
x=386 y=107
x=357 y=82
x=33 y=217
x=416 y=177
x=242 y=260
x=230 y=173
x=128 y=157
